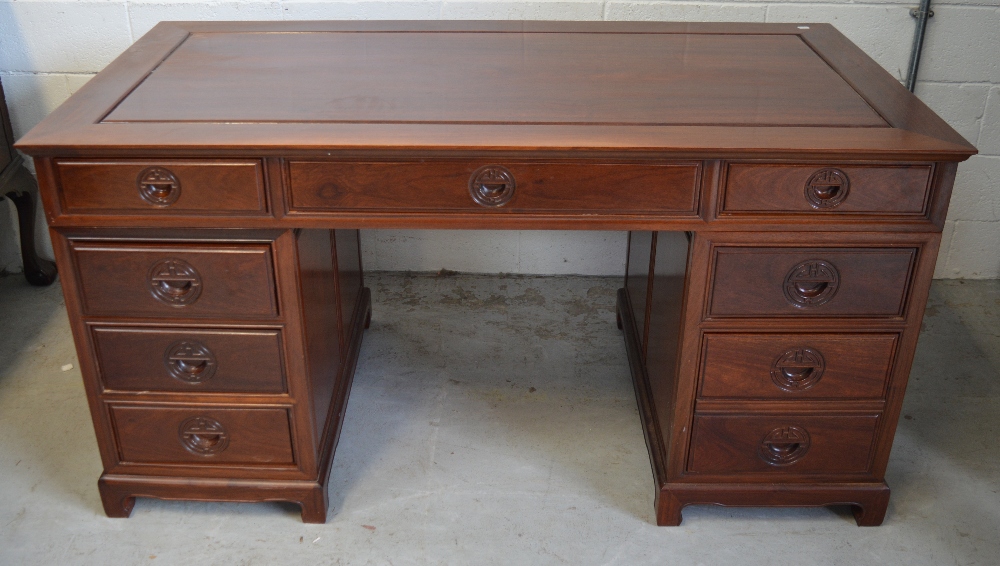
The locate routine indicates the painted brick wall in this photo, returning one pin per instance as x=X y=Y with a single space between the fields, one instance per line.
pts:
x=49 y=48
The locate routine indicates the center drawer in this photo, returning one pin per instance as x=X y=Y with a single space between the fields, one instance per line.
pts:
x=176 y=279
x=473 y=186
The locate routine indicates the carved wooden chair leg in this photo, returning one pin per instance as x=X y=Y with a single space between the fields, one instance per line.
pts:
x=37 y=270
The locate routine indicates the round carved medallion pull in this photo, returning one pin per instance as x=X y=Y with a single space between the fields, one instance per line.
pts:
x=190 y=361
x=811 y=283
x=798 y=369
x=174 y=282
x=203 y=436
x=783 y=446
x=158 y=186
x=827 y=188
x=492 y=186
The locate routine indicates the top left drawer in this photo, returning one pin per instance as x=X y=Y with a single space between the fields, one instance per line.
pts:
x=155 y=187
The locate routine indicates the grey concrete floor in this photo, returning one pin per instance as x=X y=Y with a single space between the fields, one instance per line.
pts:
x=492 y=421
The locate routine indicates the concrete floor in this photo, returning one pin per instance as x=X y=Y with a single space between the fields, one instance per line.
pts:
x=492 y=421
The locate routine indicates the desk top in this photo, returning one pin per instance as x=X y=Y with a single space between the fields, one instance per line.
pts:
x=723 y=90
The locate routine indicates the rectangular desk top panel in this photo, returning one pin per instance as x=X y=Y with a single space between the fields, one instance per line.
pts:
x=497 y=85
x=497 y=78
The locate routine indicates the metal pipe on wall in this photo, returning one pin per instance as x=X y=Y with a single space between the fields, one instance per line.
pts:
x=922 y=13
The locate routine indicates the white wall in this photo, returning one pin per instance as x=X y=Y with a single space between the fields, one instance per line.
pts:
x=49 y=48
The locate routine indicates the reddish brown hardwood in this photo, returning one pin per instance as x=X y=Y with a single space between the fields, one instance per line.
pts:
x=191 y=360
x=703 y=88
x=831 y=281
x=637 y=282
x=796 y=366
x=200 y=187
x=193 y=280
x=499 y=77
x=826 y=188
x=536 y=187
x=202 y=435
x=784 y=197
x=784 y=444
x=723 y=459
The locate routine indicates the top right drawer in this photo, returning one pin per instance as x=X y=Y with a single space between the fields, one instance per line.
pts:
x=824 y=189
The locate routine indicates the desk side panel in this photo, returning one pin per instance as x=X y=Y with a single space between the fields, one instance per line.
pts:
x=320 y=305
x=666 y=298
x=637 y=281
x=347 y=246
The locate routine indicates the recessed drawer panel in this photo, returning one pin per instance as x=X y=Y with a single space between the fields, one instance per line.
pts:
x=176 y=280
x=202 y=435
x=796 y=366
x=189 y=360
x=467 y=186
x=163 y=187
x=769 y=188
x=788 y=444
x=810 y=281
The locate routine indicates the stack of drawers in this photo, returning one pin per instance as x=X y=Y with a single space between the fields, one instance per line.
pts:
x=204 y=363
x=171 y=326
x=770 y=353
x=815 y=392
x=795 y=346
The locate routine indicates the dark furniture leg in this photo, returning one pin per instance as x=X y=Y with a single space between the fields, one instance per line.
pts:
x=20 y=188
x=17 y=184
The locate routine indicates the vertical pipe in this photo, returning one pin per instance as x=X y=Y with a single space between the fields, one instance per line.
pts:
x=922 y=14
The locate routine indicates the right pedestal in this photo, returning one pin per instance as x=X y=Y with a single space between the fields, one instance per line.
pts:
x=770 y=368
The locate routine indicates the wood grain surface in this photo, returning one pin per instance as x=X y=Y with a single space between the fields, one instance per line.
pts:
x=206 y=187
x=740 y=366
x=741 y=89
x=151 y=435
x=133 y=359
x=784 y=194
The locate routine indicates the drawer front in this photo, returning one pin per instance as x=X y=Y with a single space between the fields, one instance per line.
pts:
x=819 y=189
x=202 y=435
x=786 y=444
x=796 y=366
x=176 y=280
x=189 y=360
x=477 y=187
x=811 y=281
x=163 y=187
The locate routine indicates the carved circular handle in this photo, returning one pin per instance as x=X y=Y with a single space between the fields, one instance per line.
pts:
x=827 y=188
x=811 y=283
x=492 y=186
x=784 y=445
x=190 y=361
x=174 y=282
x=158 y=186
x=203 y=436
x=798 y=369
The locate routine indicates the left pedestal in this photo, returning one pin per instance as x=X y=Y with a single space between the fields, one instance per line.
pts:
x=217 y=363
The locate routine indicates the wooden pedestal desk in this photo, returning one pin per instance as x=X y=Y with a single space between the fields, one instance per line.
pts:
x=784 y=197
